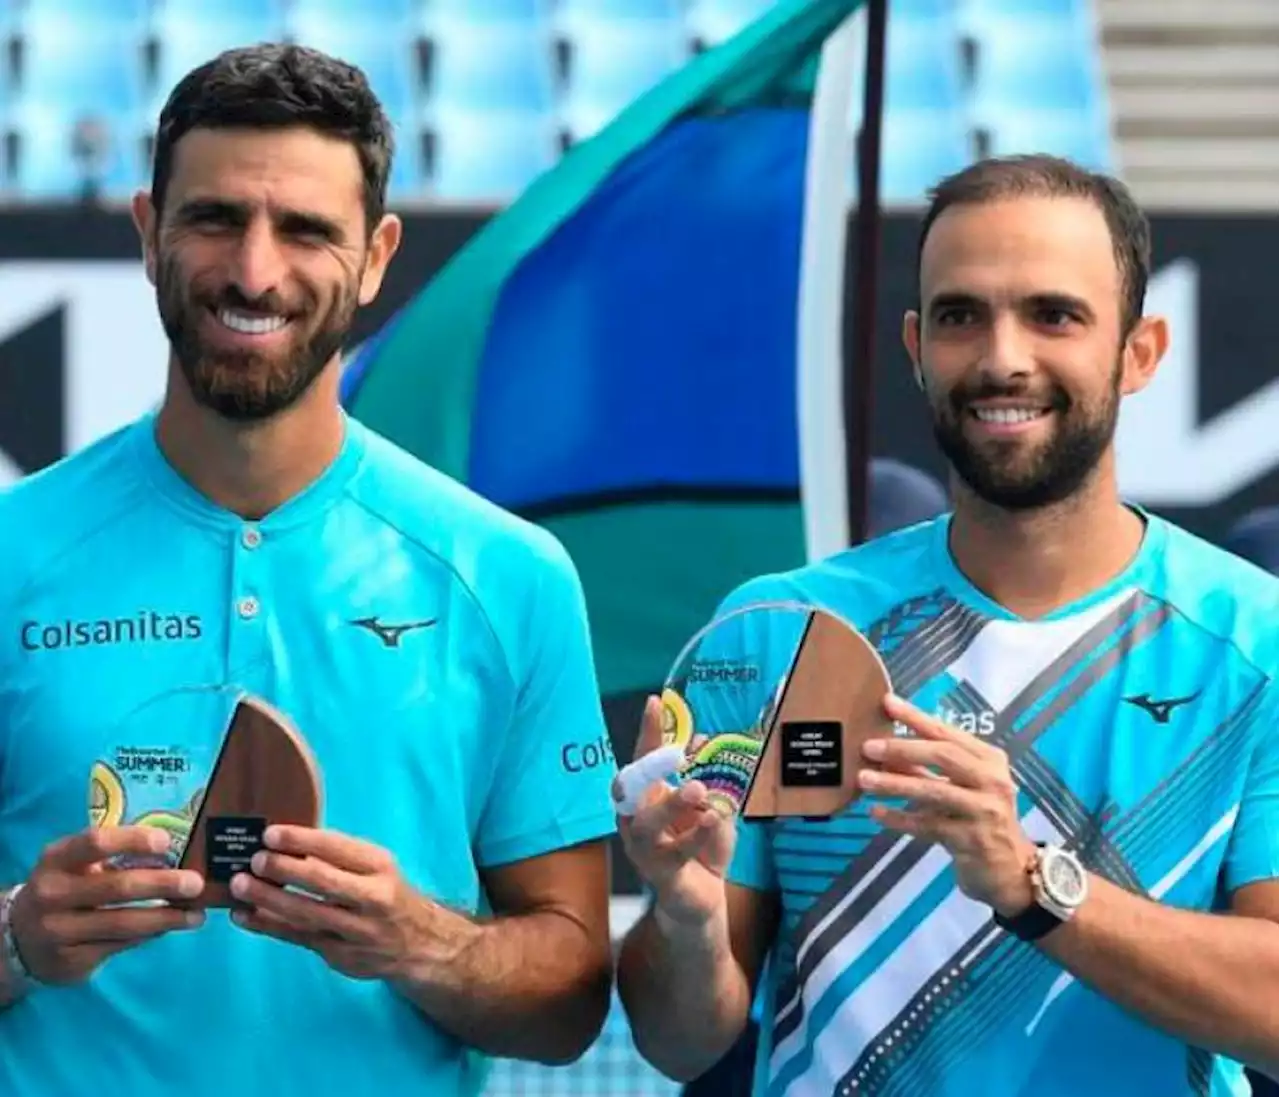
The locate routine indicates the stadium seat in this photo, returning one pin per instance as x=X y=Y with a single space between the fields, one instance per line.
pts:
x=918 y=148
x=611 y=65
x=487 y=11
x=922 y=65
x=249 y=13
x=367 y=11
x=42 y=166
x=1042 y=64
x=384 y=52
x=496 y=67
x=408 y=176
x=88 y=65
x=1082 y=136
x=488 y=156
x=133 y=12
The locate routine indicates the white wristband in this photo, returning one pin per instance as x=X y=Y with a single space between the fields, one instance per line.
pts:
x=15 y=971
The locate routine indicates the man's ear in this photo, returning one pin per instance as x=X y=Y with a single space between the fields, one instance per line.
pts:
x=911 y=340
x=1143 y=352
x=144 y=220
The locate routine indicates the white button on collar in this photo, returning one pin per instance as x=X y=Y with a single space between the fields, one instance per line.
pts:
x=251 y=538
x=247 y=606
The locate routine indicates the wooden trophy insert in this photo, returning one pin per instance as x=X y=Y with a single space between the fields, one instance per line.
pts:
x=832 y=701
x=265 y=773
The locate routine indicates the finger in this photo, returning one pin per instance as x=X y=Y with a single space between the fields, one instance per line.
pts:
x=300 y=912
x=69 y=929
x=650 y=737
x=919 y=824
x=709 y=839
x=340 y=850
x=671 y=816
x=917 y=756
x=99 y=889
x=926 y=726
x=88 y=847
x=637 y=778
x=269 y=925
x=940 y=796
x=313 y=875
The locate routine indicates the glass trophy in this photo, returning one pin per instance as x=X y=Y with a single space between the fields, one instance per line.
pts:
x=249 y=767
x=770 y=705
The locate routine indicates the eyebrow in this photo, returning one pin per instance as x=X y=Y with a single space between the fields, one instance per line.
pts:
x=290 y=220
x=1065 y=302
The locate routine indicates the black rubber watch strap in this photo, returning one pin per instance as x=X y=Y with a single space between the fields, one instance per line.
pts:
x=1032 y=924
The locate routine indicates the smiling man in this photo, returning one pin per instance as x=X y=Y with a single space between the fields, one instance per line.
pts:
x=1080 y=895
x=433 y=650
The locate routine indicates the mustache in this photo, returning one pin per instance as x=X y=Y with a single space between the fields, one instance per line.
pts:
x=269 y=303
x=1054 y=398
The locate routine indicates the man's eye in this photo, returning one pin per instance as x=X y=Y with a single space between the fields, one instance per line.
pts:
x=1054 y=318
x=954 y=317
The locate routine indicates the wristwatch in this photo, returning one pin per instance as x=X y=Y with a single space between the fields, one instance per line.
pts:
x=15 y=971
x=1060 y=885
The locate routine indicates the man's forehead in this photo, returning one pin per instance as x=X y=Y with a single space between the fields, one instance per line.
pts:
x=1020 y=246
x=293 y=169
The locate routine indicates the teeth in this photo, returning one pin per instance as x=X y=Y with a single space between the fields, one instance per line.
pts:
x=250 y=325
x=1007 y=415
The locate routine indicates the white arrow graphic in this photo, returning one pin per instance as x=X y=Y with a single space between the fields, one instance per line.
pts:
x=1166 y=456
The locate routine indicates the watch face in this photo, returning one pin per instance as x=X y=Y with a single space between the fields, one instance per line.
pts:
x=1064 y=879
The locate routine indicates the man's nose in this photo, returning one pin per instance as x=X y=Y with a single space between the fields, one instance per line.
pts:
x=1009 y=353
x=258 y=265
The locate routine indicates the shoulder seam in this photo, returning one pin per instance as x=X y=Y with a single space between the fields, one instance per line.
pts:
x=448 y=566
x=1264 y=674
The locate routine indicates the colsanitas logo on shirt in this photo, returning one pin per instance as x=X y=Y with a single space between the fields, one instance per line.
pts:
x=144 y=627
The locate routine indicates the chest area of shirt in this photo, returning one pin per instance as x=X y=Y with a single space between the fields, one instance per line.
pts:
x=129 y=680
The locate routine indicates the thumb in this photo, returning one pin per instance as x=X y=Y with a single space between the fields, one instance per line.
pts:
x=650 y=737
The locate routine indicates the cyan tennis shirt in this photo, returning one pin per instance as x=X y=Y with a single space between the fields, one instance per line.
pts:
x=433 y=651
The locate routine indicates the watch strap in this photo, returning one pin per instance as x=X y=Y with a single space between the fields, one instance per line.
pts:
x=15 y=971
x=1031 y=924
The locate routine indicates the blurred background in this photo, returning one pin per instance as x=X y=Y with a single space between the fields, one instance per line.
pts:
x=1178 y=97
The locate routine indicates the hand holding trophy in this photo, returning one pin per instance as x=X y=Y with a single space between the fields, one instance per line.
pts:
x=762 y=716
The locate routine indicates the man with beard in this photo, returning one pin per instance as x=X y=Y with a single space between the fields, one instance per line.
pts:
x=433 y=650
x=1059 y=876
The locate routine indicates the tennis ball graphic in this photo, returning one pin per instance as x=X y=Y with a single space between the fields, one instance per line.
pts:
x=106 y=796
x=677 y=720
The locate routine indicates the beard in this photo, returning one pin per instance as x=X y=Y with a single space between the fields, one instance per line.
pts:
x=244 y=385
x=1014 y=475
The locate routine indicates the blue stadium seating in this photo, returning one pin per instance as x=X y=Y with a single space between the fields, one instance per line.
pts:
x=491 y=66
x=87 y=65
x=500 y=67
x=611 y=64
x=172 y=13
x=44 y=168
x=488 y=156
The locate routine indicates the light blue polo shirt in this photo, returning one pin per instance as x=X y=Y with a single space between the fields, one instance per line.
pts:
x=433 y=650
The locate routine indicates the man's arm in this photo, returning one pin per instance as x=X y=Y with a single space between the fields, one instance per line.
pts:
x=687 y=985
x=1209 y=979
x=534 y=981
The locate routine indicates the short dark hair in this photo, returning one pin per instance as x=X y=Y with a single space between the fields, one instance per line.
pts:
x=1040 y=176
x=273 y=86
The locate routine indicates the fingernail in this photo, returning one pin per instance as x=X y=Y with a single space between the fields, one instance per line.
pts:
x=190 y=885
x=194 y=919
x=239 y=885
x=271 y=837
x=873 y=748
x=258 y=863
x=239 y=918
x=159 y=841
x=868 y=778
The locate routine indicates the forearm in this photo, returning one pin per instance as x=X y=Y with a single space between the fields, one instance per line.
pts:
x=685 y=995
x=530 y=987
x=1209 y=979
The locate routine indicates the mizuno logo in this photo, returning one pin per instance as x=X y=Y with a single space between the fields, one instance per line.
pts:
x=390 y=634
x=1160 y=711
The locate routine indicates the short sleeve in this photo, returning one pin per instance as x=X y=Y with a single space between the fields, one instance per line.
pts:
x=1253 y=851
x=552 y=775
